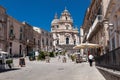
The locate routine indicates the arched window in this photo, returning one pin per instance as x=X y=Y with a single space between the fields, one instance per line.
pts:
x=57 y=42
x=67 y=40
x=74 y=42
x=66 y=18
x=43 y=42
x=11 y=32
x=67 y=27
x=47 y=42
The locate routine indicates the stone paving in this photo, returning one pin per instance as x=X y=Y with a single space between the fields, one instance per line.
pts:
x=55 y=70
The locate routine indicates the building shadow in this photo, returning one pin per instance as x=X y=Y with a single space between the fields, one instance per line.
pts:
x=7 y=70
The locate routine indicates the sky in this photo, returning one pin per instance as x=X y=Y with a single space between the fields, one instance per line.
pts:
x=40 y=13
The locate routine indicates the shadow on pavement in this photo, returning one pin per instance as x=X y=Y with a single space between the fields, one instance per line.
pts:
x=6 y=70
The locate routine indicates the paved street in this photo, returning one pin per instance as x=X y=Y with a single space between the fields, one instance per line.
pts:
x=55 y=70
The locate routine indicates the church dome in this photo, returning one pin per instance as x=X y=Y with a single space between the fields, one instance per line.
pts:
x=55 y=20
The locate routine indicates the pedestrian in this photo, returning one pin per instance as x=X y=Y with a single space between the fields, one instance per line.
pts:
x=22 y=61
x=90 y=57
x=36 y=55
x=58 y=57
x=64 y=59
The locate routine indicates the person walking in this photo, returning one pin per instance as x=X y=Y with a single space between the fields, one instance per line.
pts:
x=90 y=57
x=36 y=55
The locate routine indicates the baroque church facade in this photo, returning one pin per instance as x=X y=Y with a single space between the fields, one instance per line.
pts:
x=65 y=35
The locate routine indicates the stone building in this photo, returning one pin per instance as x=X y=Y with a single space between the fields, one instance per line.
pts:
x=95 y=26
x=37 y=38
x=113 y=18
x=3 y=29
x=46 y=40
x=64 y=34
x=15 y=37
x=19 y=39
x=28 y=37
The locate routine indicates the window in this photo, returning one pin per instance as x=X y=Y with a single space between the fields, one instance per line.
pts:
x=34 y=41
x=20 y=50
x=11 y=31
x=43 y=42
x=51 y=43
x=57 y=42
x=47 y=41
x=74 y=42
x=57 y=26
x=10 y=44
x=67 y=27
x=113 y=43
x=66 y=18
x=20 y=36
x=38 y=42
x=1 y=31
x=21 y=29
x=67 y=40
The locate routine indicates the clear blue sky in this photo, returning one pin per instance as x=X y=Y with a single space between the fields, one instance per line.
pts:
x=41 y=12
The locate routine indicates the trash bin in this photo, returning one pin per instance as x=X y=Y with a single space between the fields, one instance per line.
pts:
x=22 y=62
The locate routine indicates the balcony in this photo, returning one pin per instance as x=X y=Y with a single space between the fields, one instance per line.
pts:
x=11 y=36
x=98 y=19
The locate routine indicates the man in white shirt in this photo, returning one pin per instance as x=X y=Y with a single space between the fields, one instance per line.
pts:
x=36 y=55
x=90 y=59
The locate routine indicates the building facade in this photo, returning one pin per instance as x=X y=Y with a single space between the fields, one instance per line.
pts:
x=15 y=31
x=28 y=37
x=3 y=29
x=19 y=39
x=64 y=34
x=37 y=38
x=46 y=40
x=113 y=17
x=95 y=26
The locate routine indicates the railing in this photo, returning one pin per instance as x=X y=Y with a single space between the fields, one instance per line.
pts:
x=109 y=60
x=64 y=30
x=11 y=36
x=92 y=28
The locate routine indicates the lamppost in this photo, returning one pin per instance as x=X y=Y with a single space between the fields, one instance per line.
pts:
x=111 y=27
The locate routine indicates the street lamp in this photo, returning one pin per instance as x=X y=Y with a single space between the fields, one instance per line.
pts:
x=111 y=27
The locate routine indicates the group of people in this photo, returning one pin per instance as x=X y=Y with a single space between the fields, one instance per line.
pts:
x=64 y=59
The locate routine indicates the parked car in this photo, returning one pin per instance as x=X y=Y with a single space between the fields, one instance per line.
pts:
x=32 y=56
x=84 y=58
